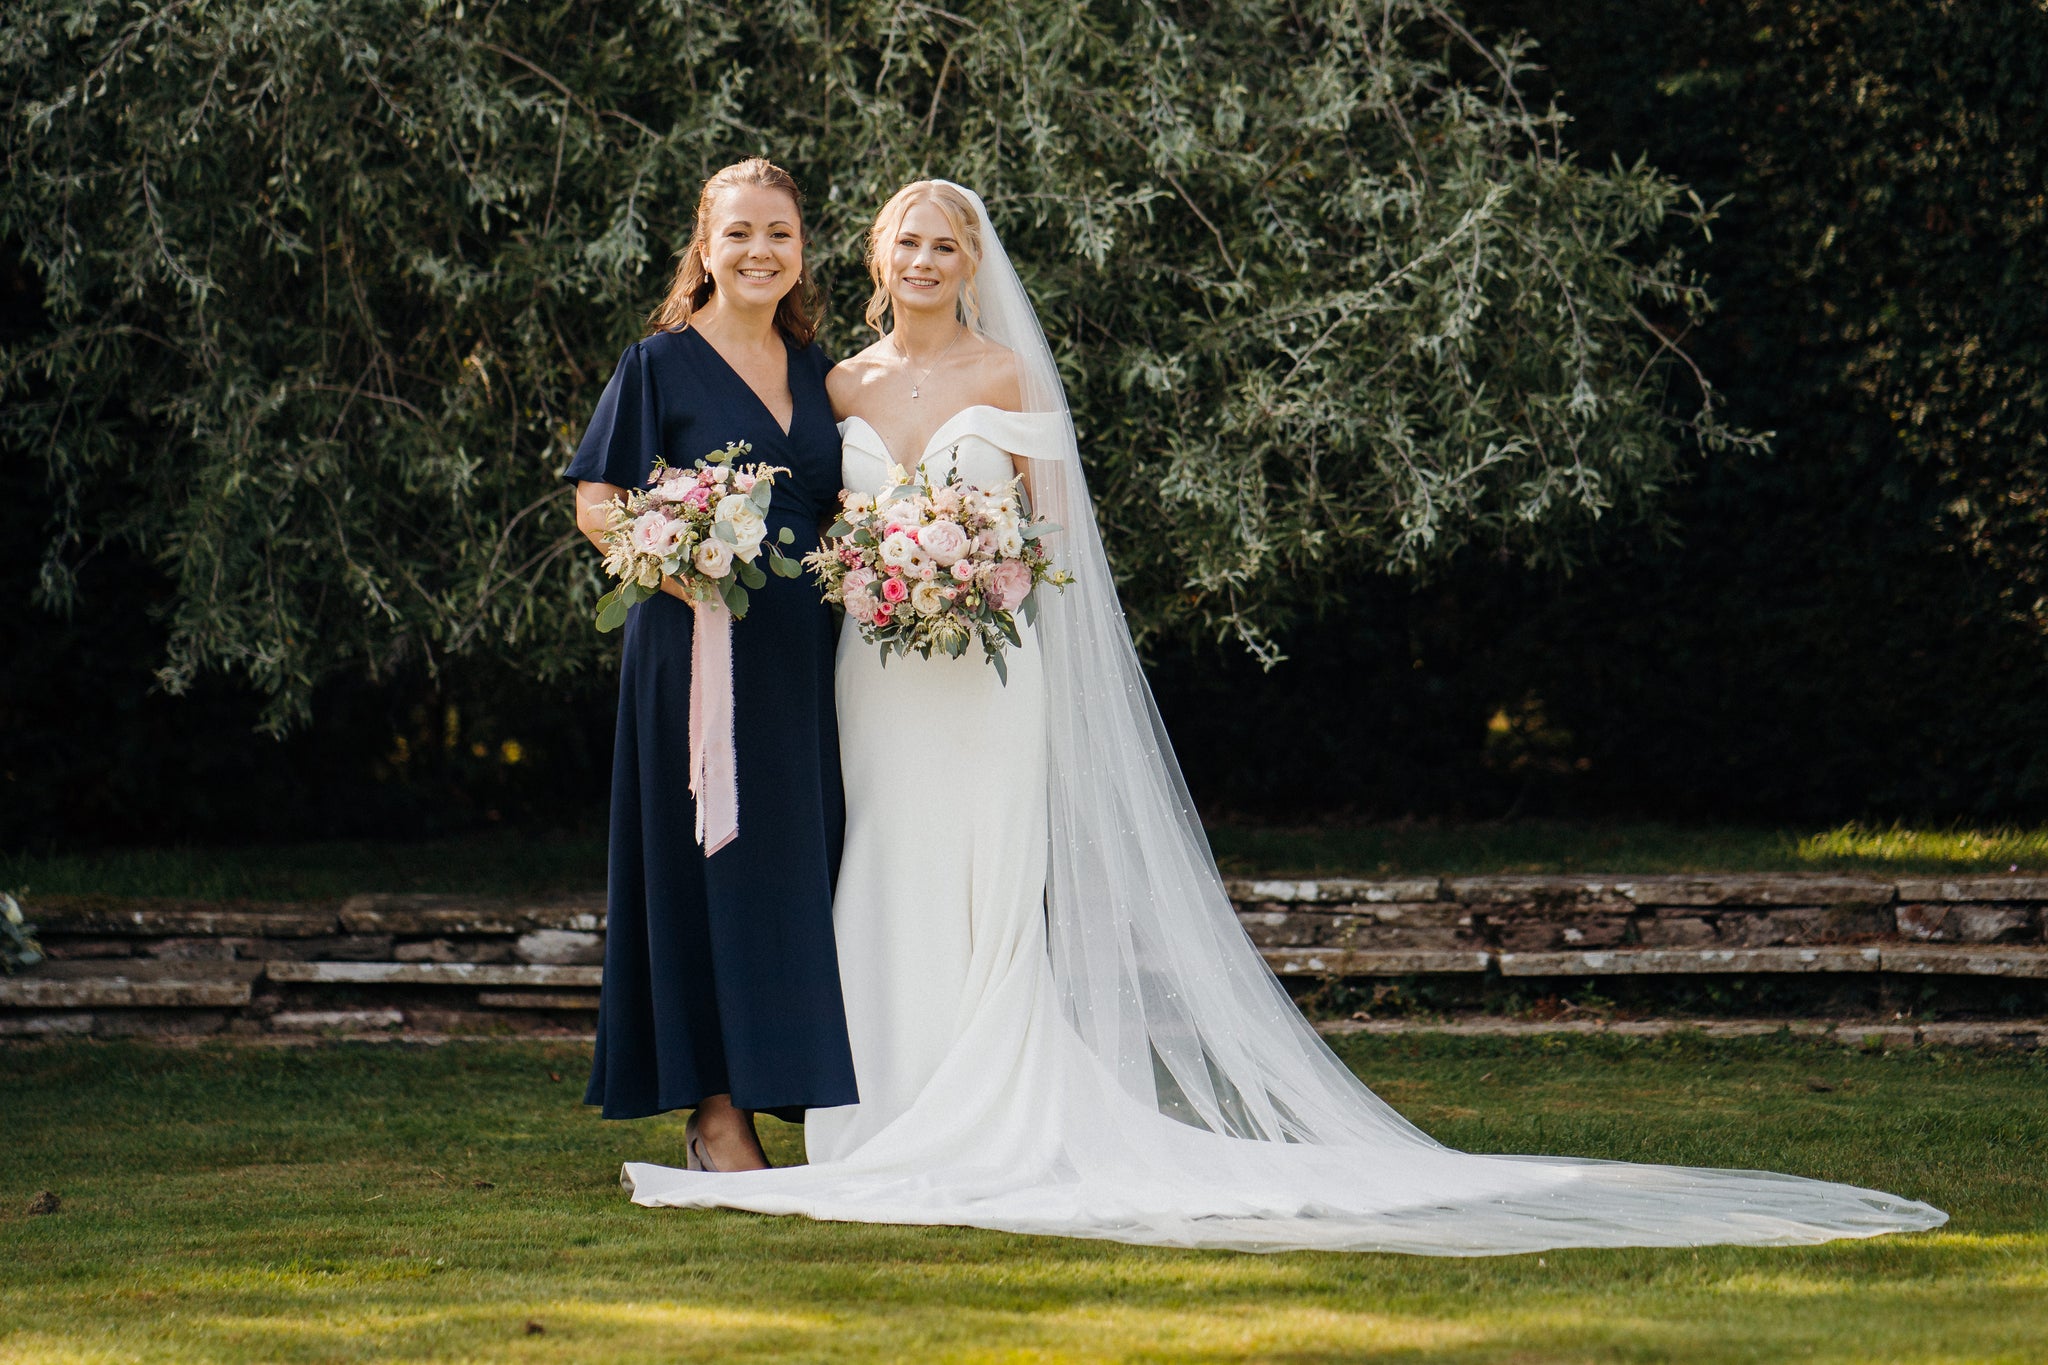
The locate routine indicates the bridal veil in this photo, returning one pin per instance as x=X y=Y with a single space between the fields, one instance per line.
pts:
x=1190 y=1103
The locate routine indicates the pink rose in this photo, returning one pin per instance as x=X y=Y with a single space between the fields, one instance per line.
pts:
x=927 y=571
x=963 y=569
x=647 y=532
x=945 y=541
x=743 y=482
x=1012 y=584
x=894 y=589
x=883 y=613
x=698 y=497
x=704 y=477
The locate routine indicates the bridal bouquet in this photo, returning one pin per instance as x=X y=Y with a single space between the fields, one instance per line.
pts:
x=940 y=566
x=704 y=526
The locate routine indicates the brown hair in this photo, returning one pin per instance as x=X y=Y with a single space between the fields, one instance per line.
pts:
x=796 y=315
x=960 y=217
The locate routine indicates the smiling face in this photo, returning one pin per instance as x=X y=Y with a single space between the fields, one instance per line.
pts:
x=926 y=264
x=754 y=251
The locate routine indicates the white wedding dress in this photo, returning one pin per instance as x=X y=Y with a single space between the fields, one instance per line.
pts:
x=1058 y=1026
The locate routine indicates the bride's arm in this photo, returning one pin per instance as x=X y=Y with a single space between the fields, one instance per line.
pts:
x=1003 y=387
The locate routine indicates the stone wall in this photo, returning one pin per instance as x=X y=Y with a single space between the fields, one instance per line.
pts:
x=435 y=965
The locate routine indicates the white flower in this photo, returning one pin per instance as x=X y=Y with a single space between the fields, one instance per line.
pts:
x=1011 y=542
x=905 y=512
x=928 y=598
x=737 y=510
x=672 y=537
x=897 y=550
x=713 y=557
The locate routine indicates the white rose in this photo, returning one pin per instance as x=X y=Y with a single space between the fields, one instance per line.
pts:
x=737 y=510
x=905 y=511
x=897 y=550
x=928 y=598
x=713 y=557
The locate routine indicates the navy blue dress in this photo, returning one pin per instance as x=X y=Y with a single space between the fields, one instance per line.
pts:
x=720 y=974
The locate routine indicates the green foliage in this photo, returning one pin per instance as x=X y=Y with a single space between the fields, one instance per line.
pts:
x=330 y=288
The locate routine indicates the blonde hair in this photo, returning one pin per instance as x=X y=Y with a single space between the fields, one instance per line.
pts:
x=796 y=315
x=961 y=219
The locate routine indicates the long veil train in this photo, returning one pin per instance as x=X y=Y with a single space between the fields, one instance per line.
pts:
x=1167 y=1090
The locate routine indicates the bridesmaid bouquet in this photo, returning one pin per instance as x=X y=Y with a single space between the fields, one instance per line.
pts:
x=941 y=566
x=704 y=526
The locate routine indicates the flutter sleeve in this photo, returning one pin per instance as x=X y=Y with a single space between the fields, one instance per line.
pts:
x=623 y=439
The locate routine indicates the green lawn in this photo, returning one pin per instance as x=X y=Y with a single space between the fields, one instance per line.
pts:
x=388 y=1203
x=520 y=863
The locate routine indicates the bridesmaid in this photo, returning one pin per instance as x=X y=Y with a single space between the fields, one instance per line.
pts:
x=721 y=982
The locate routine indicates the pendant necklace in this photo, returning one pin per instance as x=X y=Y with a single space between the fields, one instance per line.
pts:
x=934 y=365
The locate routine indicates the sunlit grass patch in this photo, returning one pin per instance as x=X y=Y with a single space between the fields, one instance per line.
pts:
x=1972 y=850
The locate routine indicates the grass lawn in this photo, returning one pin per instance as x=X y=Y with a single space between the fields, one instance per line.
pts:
x=389 y=1203
x=519 y=863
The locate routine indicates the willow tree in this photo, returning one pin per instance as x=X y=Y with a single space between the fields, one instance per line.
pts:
x=328 y=287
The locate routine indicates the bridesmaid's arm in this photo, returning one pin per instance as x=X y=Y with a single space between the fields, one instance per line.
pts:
x=593 y=517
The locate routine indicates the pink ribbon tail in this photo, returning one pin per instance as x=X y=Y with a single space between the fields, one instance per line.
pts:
x=714 y=763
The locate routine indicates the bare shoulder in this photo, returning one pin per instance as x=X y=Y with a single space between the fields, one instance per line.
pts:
x=999 y=378
x=846 y=381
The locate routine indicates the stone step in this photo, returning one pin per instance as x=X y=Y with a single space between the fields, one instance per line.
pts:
x=1966 y=960
x=536 y=1000
x=1335 y=891
x=172 y=917
x=117 y=992
x=2027 y=1034
x=439 y=914
x=1973 y=889
x=1341 y=962
x=433 y=973
x=1667 y=961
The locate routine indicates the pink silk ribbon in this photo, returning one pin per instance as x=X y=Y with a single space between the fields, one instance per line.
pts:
x=714 y=763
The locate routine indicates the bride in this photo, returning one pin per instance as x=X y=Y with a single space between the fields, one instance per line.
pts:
x=1057 y=1024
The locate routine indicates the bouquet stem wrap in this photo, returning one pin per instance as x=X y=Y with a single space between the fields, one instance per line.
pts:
x=714 y=761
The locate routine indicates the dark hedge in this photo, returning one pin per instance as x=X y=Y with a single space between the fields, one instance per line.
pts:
x=1851 y=625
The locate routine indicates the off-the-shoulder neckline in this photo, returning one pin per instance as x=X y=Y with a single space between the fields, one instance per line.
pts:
x=937 y=437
